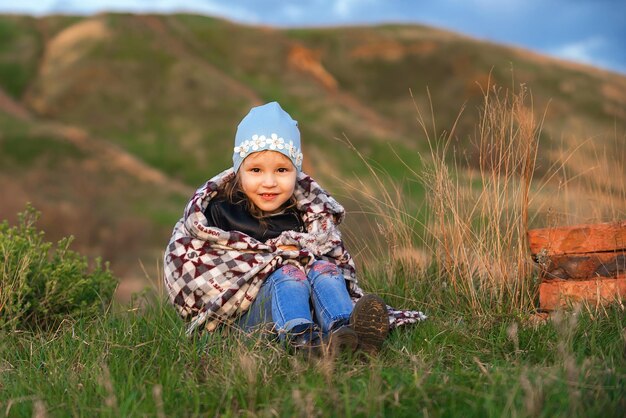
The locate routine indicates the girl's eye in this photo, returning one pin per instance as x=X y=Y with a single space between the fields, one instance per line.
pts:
x=255 y=170
x=283 y=170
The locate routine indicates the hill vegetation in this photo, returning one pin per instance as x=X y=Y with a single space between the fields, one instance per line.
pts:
x=114 y=119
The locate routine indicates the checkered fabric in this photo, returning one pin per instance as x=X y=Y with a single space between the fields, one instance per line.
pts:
x=212 y=276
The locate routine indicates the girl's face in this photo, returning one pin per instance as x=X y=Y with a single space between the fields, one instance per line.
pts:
x=268 y=179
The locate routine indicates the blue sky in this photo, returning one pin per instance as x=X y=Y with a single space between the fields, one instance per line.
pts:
x=587 y=31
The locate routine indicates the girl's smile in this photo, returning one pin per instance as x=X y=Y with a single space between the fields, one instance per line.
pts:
x=268 y=179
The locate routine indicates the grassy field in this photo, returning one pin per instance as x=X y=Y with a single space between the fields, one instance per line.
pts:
x=138 y=362
x=482 y=352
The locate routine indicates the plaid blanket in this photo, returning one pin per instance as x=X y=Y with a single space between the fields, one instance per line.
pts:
x=212 y=276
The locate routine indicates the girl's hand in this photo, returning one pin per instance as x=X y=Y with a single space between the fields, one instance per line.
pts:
x=288 y=247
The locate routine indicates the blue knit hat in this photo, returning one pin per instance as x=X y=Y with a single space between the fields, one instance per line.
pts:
x=267 y=127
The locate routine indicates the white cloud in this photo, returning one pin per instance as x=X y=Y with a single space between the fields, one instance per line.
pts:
x=492 y=7
x=584 y=51
x=35 y=7
x=293 y=12
x=345 y=8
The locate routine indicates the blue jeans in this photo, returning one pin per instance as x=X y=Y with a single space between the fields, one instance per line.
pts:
x=288 y=296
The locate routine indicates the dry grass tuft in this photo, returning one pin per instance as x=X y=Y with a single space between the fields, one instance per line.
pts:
x=482 y=202
x=480 y=219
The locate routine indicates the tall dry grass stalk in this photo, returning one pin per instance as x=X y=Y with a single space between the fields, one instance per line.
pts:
x=387 y=233
x=476 y=237
x=588 y=183
x=480 y=217
x=481 y=203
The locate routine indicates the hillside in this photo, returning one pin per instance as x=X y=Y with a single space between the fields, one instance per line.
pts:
x=108 y=123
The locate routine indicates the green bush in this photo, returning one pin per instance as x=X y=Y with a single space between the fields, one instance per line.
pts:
x=41 y=284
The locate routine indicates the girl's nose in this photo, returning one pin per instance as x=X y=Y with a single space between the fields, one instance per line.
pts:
x=269 y=180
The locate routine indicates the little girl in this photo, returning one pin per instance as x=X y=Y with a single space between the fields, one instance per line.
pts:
x=259 y=244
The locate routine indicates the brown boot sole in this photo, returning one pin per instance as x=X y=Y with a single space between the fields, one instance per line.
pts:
x=370 y=320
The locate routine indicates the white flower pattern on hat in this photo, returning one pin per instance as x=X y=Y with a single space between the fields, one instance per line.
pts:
x=257 y=142
x=274 y=142
x=292 y=149
x=243 y=149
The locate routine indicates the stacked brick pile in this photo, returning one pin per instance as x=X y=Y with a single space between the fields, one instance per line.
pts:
x=580 y=263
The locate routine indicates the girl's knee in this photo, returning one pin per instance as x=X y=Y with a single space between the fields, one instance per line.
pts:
x=323 y=268
x=288 y=273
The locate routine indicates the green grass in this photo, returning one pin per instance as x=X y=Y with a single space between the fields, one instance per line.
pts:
x=20 y=51
x=24 y=150
x=139 y=362
x=23 y=146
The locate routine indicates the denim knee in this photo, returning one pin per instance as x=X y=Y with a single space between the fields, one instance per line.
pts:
x=288 y=273
x=291 y=294
x=323 y=268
